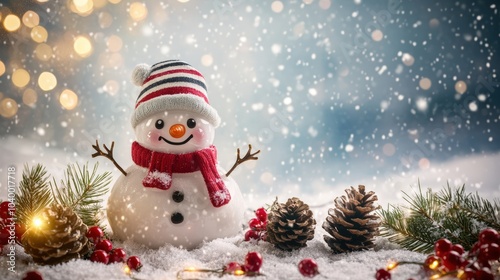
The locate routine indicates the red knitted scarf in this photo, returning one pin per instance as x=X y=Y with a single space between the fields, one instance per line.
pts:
x=162 y=165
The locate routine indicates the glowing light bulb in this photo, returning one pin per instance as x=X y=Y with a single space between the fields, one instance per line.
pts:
x=82 y=46
x=11 y=23
x=138 y=11
x=68 y=99
x=239 y=272
x=434 y=265
x=392 y=265
x=37 y=222
x=20 y=78
x=47 y=81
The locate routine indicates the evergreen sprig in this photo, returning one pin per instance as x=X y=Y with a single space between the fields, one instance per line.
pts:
x=81 y=190
x=450 y=213
x=34 y=193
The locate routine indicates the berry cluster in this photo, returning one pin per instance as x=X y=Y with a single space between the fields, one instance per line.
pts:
x=253 y=262
x=10 y=232
x=257 y=226
x=452 y=260
x=104 y=252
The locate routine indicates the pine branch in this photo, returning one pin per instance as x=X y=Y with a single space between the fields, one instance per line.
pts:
x=33 y=194
x=451 y=214
x=81 y=191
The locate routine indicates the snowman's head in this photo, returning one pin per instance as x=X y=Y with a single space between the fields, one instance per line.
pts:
x=172 y=112
x=176 y=132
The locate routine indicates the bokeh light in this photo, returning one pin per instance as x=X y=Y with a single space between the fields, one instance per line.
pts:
x=377 y=35
x=207 y=60
x=460 y=87
x=39 y=34
x=20 y=77
x=112 y=87
x=82 y=46
x=114 y=43
x=30 y=97
x=407 y=59
x=68 y=99
x=8 y=107
x=325 y=4
x=425 y=83
x=31 y=19
x=138 y=11
x=2 y=68
x=277 y=6
x=43 y=52
x=83 y=7
x=114 y=1
x=11 y=23
x=47 y=81
x=105 y=20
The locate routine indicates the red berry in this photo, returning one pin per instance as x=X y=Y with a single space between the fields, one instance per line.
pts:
x=117 y=255
x=469 y=274
x=458 y=248
x=488 y=236
x=5 y=210
x=4 y=236
x=100 y=256
x=452 y=260
x=484 y=274
x=255 y=224
x=261 y=214
x=251 y=234
x=134 y=263
x=95 y=234
x=382 y=274
x=253 y=261
x=489 y=252
x=442 y=246
x=104 y=245
x=33 y=275
x=308 y=268
x=232 y=267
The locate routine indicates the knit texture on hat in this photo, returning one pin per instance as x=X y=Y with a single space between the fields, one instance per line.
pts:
x=171 y=85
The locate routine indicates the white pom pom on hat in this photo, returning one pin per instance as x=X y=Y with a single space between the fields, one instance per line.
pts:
x=171 y=85
x=140 y=74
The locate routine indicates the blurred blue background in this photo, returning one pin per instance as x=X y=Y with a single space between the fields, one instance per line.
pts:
x=334 y=93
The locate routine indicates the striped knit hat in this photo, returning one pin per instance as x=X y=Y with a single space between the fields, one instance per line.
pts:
x=171 y=85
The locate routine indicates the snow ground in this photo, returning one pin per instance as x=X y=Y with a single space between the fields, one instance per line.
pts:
x=165 y=262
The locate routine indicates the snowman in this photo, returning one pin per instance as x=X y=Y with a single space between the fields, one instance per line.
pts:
x=175 y=193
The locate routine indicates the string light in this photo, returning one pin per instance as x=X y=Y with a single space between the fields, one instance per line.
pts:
x=392 y=265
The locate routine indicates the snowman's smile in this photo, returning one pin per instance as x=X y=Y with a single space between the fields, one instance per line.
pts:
x=176 y=143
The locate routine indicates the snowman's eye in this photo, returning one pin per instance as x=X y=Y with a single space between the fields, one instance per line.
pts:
x=159 y=124
x=191 y=123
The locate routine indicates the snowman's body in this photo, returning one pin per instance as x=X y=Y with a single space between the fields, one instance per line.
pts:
x=153 y=217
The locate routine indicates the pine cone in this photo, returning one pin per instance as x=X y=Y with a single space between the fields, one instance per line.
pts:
x=290 y=225
x=350 y=224
x=60 y=237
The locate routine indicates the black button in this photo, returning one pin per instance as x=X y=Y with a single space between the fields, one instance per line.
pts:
x=178 y=196
x=177 y=218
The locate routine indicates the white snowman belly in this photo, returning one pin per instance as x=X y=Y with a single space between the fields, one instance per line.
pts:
x=182 y=215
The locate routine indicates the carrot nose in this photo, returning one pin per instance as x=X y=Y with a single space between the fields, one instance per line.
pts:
x=177 y=130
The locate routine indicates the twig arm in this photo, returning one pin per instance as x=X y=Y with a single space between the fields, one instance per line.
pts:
x=239 y=160
x=108 y=155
